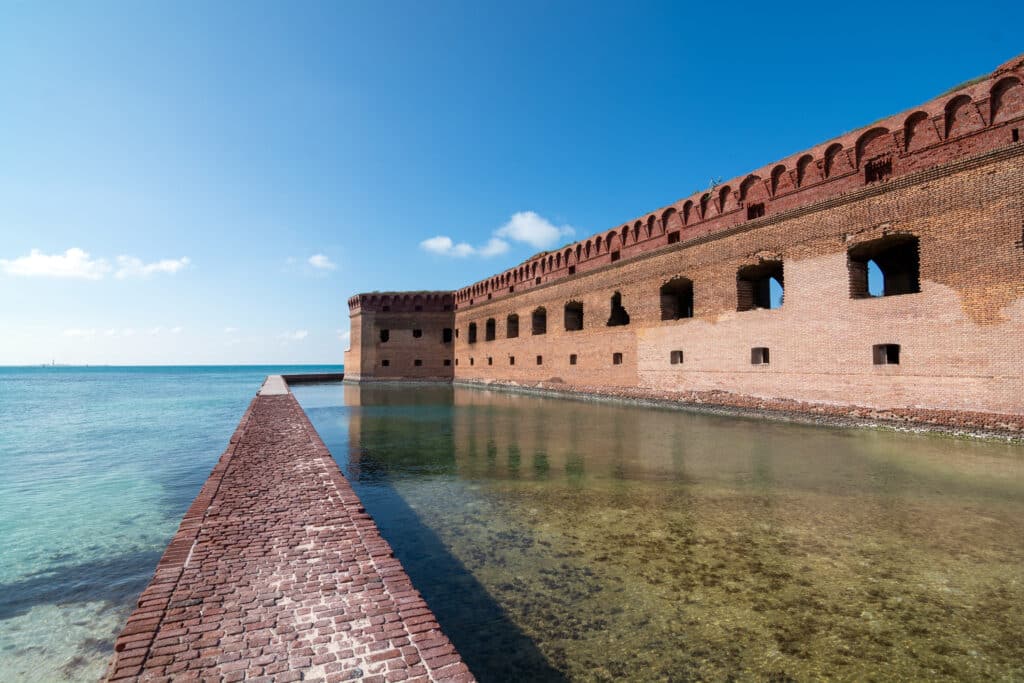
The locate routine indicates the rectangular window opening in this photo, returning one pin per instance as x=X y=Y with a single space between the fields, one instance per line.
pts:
x=1016 y=134
x=471 y=361
x=417 y=308
x=755 y=211
x=675 y=357
x=385 y=308
x=616 y=359
x=417 y=333
x=417 y=362
x=540 y=360
x=879 y=168
x=490 y=360
x=888 y=266
x=759 y=355
x=572 y=270
x=886 y=354
x=511 y=360
x=572 y=359
x=385 y=335
x=760 y=286
x=616 y=256
x=385 y=363
x=673 y=237
x=537 y=281
x=446 y=335
x=511 y=288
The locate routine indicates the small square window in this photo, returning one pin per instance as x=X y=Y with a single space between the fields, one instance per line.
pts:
x=446 y=335
x=572 y=359
x=417 y=308
x=386 y=309
x=490 y=296
x=675 y=358
x=755 y=211
x=511 y=288
x=447 y=362
x=417 y=362
x=616 y=359
x=447 y=307
x=759 y=355
x=572 y=270
x=616 y=256
x=886 y=354
x=673 y=237
x=537 y=281
x=385 y=363
x=417 y=333
x=540 y=360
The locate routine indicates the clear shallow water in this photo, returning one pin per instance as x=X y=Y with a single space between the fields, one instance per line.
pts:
x=97 y=467
x=560 y=539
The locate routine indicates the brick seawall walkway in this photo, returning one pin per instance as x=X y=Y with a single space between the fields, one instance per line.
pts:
x=278 y=574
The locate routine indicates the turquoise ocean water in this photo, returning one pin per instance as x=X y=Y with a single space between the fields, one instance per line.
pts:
x=97 y=467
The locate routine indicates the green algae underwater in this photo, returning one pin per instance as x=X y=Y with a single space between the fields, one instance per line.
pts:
x=567 y=540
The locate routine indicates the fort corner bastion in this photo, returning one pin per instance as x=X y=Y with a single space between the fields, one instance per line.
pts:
x=678 y=301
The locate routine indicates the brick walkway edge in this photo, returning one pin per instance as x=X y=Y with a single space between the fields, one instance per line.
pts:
x=277 y=573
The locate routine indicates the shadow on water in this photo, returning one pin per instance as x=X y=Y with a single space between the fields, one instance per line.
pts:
x=490 y=643
x=114 y=580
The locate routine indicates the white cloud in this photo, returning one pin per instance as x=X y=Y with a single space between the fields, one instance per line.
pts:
x=131 y=266
x=343 y=335
x=533 y=229
x=176 y=330
x=110 y=333
x=524 y=226
x=230 y=330
x=153 y=331
x=79 y=332
x=76 y=263
x=297 y=335
x=321 y=262
x=444 y=246
x=73 y=263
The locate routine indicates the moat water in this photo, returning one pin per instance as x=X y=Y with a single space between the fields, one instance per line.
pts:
x=568 y=540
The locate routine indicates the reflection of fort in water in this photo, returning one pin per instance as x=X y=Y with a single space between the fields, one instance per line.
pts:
x=495 y=435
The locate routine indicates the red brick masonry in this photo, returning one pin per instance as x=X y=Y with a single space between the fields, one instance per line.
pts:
x=277 y=573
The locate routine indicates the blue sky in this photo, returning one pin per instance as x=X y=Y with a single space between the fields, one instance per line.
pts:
x=225 y=175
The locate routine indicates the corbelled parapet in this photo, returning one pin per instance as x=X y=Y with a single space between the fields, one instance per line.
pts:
x=402 y=302
x=978 y=116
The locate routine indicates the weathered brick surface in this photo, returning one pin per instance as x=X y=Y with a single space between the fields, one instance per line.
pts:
x=277 y=573
x=953 y=180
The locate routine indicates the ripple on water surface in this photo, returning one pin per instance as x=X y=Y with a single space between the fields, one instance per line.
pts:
x=560 y=539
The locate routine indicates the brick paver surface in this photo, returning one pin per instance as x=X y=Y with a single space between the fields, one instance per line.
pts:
x=278 y=574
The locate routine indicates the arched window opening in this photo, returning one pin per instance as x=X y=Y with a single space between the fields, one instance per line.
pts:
x=573 y=316
x=512 y=326
x=677 y=299
x=884 y=267
x=760 y=286
x=539 y=323
x=619 y=315
x=489 y=329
